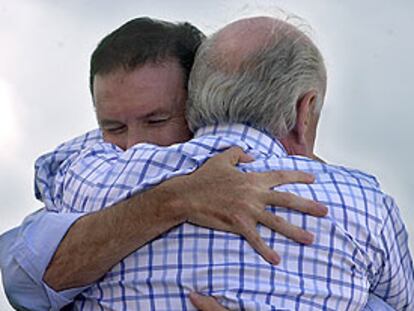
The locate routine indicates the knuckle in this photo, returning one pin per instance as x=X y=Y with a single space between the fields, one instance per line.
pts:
x=306 y=206
x=281 y=175
x=244 y=205
x=224 y=218
x=277 y=220
x=306 y=177
x=255 y=239
x=246 y=199
x=238 y=220
x=290 y=198
x=281 y=198
x=234 y=152
x=302 y=175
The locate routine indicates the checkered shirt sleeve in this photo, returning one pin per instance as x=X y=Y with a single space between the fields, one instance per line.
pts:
x=360 y=247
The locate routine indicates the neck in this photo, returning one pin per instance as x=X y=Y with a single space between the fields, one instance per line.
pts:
x=300 y=149
x=294 y=148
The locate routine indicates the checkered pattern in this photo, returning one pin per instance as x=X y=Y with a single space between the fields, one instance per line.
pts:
x=360 y=246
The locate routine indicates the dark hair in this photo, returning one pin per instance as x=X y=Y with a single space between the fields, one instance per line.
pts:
x=143 y=40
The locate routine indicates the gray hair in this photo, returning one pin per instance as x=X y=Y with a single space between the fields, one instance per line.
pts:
x=262 y=92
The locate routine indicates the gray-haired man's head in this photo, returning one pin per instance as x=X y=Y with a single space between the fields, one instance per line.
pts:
x=256 y=71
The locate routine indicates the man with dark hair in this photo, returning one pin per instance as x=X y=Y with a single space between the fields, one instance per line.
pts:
x=138 y=81
x=139 y=96
x=144 y=40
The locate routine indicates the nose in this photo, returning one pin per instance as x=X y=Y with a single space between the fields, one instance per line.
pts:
x=135 y=136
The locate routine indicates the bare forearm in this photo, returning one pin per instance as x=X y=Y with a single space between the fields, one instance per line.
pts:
x=98 y=241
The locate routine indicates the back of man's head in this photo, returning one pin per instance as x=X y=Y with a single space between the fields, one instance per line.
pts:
x=254 y=71
x=142 y=40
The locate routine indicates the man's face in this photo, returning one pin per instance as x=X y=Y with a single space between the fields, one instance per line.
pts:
x=143 y=105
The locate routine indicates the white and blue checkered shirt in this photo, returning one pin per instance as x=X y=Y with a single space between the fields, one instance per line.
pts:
x=360 y=247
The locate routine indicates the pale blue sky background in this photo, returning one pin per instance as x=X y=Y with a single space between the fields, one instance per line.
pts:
x=44 y=97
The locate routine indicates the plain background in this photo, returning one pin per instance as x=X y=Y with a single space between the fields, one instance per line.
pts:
x=44 y=96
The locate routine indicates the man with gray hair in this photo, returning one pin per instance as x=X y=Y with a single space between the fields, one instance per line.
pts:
x=267 y=75
x=259 y=85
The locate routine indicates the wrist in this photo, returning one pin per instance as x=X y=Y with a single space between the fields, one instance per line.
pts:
x=168 y=200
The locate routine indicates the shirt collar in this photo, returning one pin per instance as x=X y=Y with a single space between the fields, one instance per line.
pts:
x=257 y=140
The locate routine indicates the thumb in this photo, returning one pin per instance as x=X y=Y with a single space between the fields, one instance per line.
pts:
x=205 y=303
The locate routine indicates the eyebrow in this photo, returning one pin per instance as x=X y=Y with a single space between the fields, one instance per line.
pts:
x=108 y=123
x=161 y=110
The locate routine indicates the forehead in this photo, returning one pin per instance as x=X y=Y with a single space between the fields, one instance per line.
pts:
x=149 y=87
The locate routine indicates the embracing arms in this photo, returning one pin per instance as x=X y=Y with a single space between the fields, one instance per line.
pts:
x=82 y=248
x=216 y=196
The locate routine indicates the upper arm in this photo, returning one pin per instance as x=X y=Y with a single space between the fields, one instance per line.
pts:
x=25 y=253
x=394 y=280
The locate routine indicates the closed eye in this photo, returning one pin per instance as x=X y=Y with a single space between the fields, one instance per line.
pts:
x=115 y=129
x=156 y=121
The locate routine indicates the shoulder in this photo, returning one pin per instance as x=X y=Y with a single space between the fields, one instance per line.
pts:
x=356 y=174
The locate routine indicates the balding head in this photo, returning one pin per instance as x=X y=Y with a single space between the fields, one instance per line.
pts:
x=254 y=71
x=238 y=41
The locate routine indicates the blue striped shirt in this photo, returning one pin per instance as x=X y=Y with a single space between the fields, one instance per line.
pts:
x=360 y=247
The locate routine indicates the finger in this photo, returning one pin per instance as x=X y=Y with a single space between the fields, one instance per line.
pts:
x=257 y=243
x=205 y=303
x=234 y=156
x=295 y=202
x=286 y=229
x=276 y=178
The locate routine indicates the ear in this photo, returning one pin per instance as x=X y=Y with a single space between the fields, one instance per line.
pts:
x=305 y=107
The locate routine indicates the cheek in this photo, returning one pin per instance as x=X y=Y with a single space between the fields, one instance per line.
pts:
x=181 y=130
x=175 y=132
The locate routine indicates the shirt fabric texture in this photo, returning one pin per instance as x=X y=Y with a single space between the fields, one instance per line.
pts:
x=25 y=253
x=39 y=236
x=360 y=247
